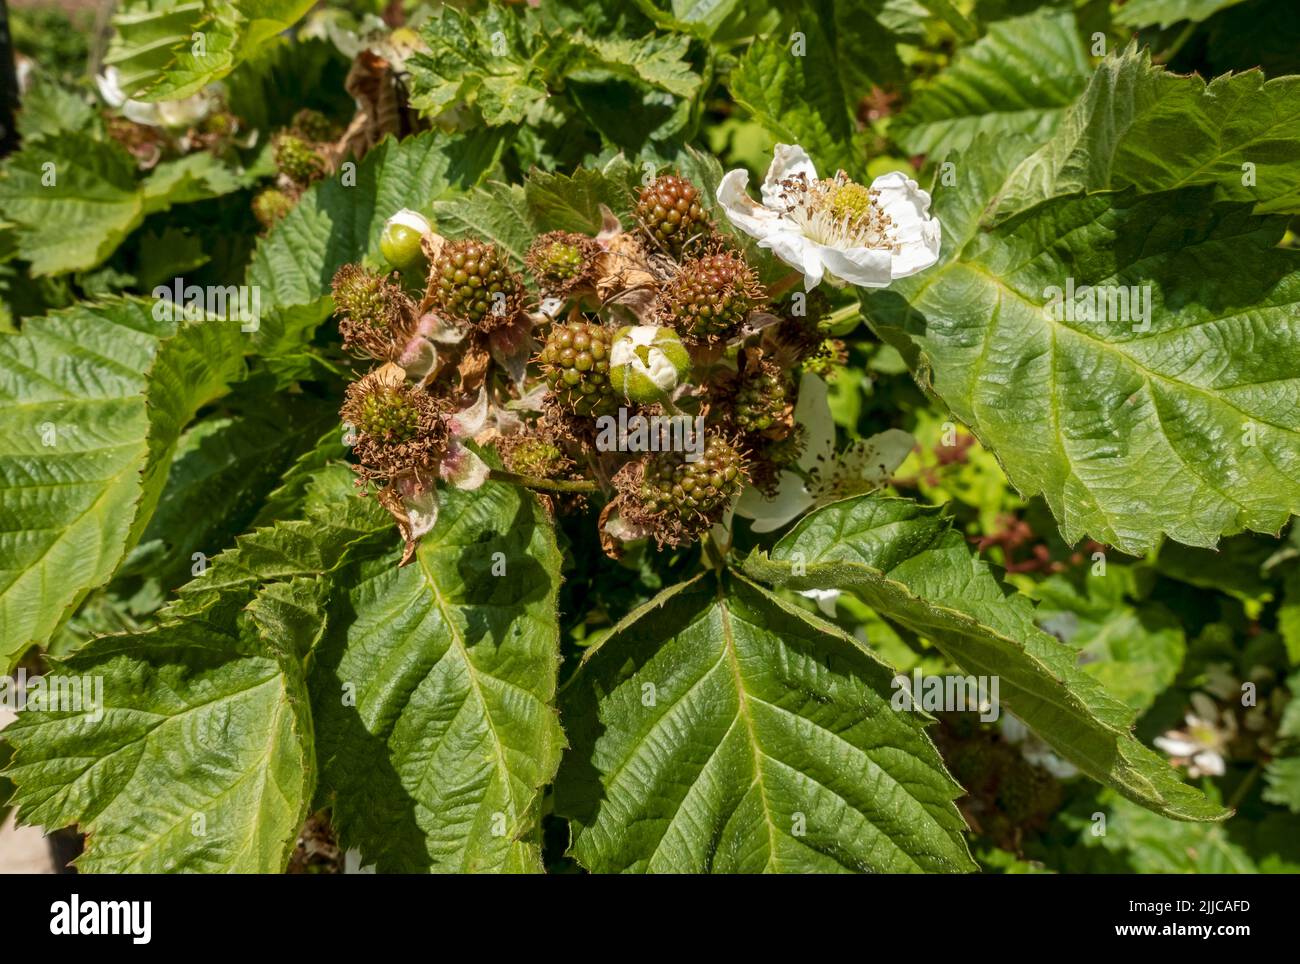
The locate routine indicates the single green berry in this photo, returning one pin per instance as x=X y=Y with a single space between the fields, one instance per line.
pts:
x=270 y=206
x=297 y=159
x=575 y=362
x=562 y=261
x=763 y=399
x=710 y=296
x=528 y=455
x=473 y=284
x=647 y=363
x=670 y=211
x=400 y=241
x=312 y=125
x=687 y=490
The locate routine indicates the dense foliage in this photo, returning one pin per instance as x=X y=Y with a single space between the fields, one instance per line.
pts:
x=325 y=330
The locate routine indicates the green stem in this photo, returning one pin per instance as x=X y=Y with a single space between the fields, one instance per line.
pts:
x=1244 y=786
x=544 y=485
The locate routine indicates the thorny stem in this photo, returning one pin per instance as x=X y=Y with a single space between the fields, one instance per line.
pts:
x=545 y=485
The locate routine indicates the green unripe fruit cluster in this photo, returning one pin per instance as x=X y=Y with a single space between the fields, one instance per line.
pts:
x=710 y=296
x=270 y=206
x=575 y=360
x=689 y=489
x=670 y=210
x=536 y=457
x=297 y=159
x=761 y=399
x=473 y=283
x=363 y=295
x=312 y=125
x=390 y=416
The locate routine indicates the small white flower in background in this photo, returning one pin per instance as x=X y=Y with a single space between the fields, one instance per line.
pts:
x=178 y=114
x=864 y=236
x=822 y=476
x=1034 y=749
x=825 y=599
x=1202 y=746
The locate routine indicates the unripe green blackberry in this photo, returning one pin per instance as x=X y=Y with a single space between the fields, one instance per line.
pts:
x=397 y=427
x=375 y=314
x=669 y=209
x=762 y=400
x=472 y=284
x=687 y=490
x=270 y=206
x=710 y=296
x=562 y=261
x=312 y=125
x=297 y=159
x=575 y=361
x=529 y=455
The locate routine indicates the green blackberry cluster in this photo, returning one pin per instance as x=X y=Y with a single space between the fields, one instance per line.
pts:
x=762 y=400
x=471 y=283
x=529 y=455
x=575 y=361
x=389 y=416
x=270 y=206
x=670 y=211
x=688 y=490
x=297 y=159
x=562 y=261
x=710 y=296
x=312 y=125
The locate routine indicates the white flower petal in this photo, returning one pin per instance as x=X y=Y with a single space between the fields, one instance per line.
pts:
x=917 y=234
x=788 y=160
x=1209 y=762
x=468 y=422
x=798 y=251
x=1177 y=745
x=744 y=212
x=825 y=599
x=813 y=412
x=868 y=267
x=462 y=467
x=792 y=499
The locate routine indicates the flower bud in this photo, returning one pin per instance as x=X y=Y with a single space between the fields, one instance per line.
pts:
x=646 y=363
x=400 y=242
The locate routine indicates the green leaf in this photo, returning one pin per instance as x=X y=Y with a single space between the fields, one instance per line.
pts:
x=1288 y=616
x=1283 y=776
x=92 y=402
x=718 y=729
x=799 y=97
x=497 y=213
x=559 y=202
x=75 y=198
x=335 y=222
x=1163 y=13
x=434 y=692
x=1182 y=428
x=1139 y=125
x=155 y=48
x=1018 y=79
x=909 y=564
x=1134 y=650
x=205 y=758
